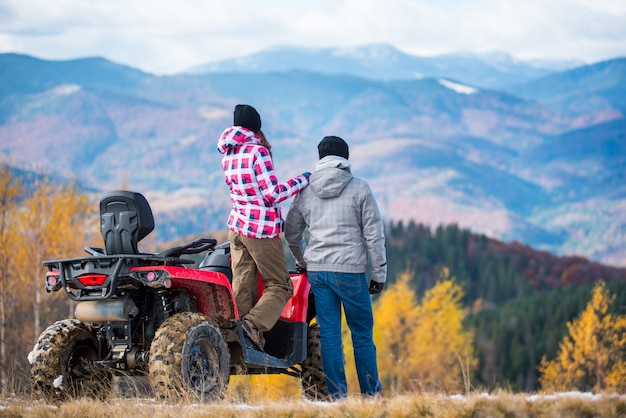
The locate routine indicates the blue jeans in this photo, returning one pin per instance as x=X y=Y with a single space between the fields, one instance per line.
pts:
x=331 y=291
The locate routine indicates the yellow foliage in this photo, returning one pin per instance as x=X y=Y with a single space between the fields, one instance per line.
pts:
x=593 y=354
x=49 y=222
x=263 y=388
x=423 y=346
x=395 y=316
x=442 y=353
x=54 y=222
x=10 y=191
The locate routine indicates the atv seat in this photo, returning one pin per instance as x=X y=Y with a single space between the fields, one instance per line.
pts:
x=125 y=219
x=218 y=260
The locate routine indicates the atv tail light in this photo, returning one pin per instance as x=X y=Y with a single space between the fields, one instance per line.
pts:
x=92 y=279
x=151 y=276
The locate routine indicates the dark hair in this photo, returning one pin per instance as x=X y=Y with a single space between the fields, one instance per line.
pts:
x=265 y=142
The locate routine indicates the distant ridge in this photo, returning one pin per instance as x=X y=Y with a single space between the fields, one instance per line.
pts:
x=385 y=62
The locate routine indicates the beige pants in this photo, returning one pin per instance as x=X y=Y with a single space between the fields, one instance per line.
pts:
x=251 y=256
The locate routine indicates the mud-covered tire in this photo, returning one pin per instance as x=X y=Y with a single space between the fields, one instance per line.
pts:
x=313 y=380
x=63 y=363
x=189 y=360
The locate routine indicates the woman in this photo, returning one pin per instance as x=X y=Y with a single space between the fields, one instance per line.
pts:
x=255 y=222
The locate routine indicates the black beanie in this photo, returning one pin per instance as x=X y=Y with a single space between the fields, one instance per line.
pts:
x=248 y=117
x=333 y=145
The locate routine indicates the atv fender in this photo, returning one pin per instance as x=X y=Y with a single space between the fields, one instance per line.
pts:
x=212 y=291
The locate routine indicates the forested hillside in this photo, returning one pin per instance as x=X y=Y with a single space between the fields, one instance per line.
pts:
x=519 y=299
x=493 y=271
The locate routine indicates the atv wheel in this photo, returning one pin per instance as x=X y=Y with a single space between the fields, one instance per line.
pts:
x=189 y=359
x=313 y=380
x=63 y=363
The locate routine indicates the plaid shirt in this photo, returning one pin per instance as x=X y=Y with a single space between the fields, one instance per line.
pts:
x=254 y=188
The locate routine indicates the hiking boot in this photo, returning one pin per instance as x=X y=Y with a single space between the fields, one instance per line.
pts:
x=253 y=334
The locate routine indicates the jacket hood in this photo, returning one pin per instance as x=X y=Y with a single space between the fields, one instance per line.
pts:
x=332 y=174
x=235 y=136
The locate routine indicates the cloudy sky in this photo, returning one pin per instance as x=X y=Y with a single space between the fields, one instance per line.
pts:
x=167 y=36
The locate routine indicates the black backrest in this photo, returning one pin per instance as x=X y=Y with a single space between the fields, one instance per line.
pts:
x=125 y=219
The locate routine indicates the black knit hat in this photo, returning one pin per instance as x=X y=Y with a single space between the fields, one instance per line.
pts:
x=248 y=117
x=333 y=145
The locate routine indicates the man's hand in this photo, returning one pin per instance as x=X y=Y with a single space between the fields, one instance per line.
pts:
x=300 y=269
x=375 y=287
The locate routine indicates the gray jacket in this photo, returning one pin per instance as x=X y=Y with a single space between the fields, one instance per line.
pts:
x=344 y=223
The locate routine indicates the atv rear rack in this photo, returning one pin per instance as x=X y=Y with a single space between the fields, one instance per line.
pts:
x=96 y=278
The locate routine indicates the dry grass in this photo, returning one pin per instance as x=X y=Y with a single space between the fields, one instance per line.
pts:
x=502 y=404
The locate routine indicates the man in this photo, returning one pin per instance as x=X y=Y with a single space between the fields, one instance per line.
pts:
x=345 y=228
x=255 y=222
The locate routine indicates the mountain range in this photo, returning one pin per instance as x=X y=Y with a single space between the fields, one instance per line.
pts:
x=384 y=62
x=516 y=150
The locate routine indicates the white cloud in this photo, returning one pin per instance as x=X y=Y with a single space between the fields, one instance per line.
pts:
x=162 y=36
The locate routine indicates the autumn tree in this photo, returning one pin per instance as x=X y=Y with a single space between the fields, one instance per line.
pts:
x=442 y=355
x=53 y=223
x=44 y=221
x=422 y=346
x=10 y=190
x=593 y=354
x=395 y=316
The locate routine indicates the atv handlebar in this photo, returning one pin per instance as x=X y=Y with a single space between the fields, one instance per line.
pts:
x=193 y=247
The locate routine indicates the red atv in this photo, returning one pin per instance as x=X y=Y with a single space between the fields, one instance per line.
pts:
x=150 y=314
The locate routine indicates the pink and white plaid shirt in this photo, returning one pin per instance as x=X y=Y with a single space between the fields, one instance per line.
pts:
x=254 y=188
